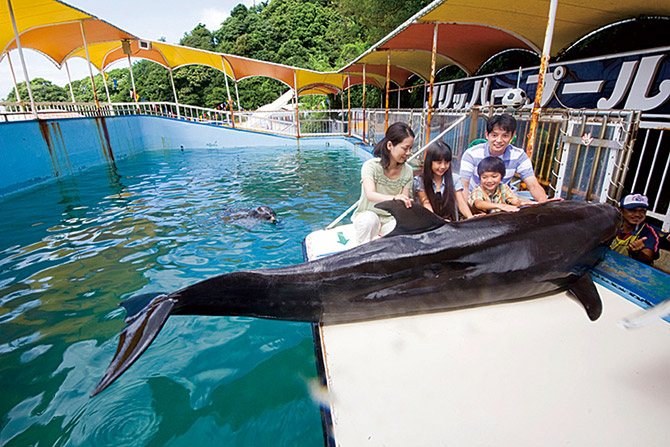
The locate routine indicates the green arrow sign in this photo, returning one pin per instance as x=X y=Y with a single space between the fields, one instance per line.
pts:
x=341 y=239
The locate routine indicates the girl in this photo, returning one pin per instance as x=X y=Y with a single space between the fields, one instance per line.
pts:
x=437 y=188
x=385 y=177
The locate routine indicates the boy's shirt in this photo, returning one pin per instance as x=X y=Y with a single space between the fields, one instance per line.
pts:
x=623 y=240
x=501 y=194
x=516 y=161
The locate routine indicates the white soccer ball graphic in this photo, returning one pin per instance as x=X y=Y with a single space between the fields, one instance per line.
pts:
x=514 y=97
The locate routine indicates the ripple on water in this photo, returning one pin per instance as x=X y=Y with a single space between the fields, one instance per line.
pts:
x=153 y=224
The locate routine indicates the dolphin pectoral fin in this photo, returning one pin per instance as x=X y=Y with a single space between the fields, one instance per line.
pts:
x=413 y=220
x=585 y=291
x=136 y=338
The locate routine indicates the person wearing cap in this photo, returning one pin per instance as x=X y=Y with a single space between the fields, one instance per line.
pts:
x=637 y=239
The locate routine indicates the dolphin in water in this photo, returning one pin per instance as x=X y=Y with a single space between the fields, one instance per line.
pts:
x=425 y=265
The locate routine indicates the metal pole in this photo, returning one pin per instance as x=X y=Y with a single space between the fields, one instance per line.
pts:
x=349 y=102
x=88 y=59
x=230 y=101
x=16 y=86
x=69 y=80
x=237 y=96
x=432 y=81
x=546 y=51
x=388 y=76
x=174 y=91
x=104 y=80
x=364 y=82
x=132 y=79
x=440 y=135
x=23 y=61
x=297 y=115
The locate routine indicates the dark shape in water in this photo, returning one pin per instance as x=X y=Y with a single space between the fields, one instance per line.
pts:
x=425 y=265
x=262 y=213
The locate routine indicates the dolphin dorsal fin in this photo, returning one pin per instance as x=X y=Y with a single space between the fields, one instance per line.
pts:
x=413 y=220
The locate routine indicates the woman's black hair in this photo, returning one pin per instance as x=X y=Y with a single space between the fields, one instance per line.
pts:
x=395 y=134
x=444 y=204
x=491 y=164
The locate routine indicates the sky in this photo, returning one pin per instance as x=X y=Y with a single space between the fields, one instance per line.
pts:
x=148 y=19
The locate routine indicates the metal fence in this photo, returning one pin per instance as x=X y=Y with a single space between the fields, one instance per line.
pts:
x=578 y=154
x=648 y=168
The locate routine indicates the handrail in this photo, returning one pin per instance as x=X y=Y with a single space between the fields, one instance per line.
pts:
x=343 y=215
x=439 y=136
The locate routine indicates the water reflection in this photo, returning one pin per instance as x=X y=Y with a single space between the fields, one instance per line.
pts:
x=151 y=224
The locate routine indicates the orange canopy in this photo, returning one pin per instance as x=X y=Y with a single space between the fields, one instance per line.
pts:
x=469 y=32
x=53 y=28
x=237 y=67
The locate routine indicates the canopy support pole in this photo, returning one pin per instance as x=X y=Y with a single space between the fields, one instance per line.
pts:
x=69 y=80
x=174 y=91
x=16 y=86
x=546 y=51
x=432 y=81
x=388 y=77
x=364 y=82
x=230 y=101
x=104 y=80
x=297 y=114
x=132 y=80
x=349 y=103
x=237 y=96
x=88 y=59
x=23 y=61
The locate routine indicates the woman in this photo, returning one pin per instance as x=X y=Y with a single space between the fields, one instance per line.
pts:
x=385 y=177
x=437 y=188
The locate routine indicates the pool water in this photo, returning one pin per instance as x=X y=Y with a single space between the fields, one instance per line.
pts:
x=71 y=250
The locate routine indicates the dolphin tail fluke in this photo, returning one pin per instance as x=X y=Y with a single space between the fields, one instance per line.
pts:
x=585 y=291
x=143 y=327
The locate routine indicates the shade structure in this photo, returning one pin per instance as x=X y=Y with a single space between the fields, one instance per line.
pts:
x=237 y=67
x=470 y=32
x=53 y=28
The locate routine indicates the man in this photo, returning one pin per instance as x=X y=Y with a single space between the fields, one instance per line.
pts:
x=637 y=239
x=500 y=130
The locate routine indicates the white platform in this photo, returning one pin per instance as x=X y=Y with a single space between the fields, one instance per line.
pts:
x=535 y=373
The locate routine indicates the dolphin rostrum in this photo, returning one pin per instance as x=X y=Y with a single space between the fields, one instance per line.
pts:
x=425 y=265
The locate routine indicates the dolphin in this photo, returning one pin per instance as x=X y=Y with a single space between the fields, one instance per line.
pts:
x=425 y=265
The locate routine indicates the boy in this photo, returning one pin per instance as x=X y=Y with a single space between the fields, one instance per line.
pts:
x=492 y=195
x=637 y=239
x=500 y=130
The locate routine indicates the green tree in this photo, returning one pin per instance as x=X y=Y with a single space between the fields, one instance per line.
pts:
x=43 y=91
x=380 y=17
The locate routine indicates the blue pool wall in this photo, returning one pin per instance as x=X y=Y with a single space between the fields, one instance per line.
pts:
x=37 y=151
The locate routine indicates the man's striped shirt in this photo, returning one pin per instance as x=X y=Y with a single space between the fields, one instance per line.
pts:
x=515 y=159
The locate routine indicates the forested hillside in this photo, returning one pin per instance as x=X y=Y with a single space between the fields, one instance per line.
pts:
x=321 y=35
